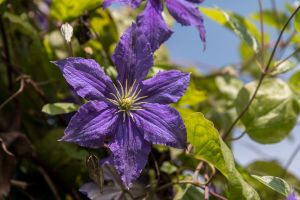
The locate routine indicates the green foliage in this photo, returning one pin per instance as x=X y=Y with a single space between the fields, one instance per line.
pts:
x=221 y=95
x=275 y=183
x=66 y=160
x=273 y=113
x=66 y=10
x=59 y=108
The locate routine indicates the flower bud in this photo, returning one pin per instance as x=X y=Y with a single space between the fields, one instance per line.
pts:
x=67 y=31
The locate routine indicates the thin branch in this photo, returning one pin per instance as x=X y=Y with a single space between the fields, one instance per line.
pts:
x=197 y=170
x=20 y=90
x=4 y=148
x=238 y=137
x=263 y=75
x=49 y=182
x=20 y=184
x=206 y=187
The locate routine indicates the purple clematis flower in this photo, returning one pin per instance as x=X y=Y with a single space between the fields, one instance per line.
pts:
x=292 y=196
x=131 y=114
x=151 y=21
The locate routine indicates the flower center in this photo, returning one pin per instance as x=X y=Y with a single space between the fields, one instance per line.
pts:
x=127 y=98
x=126 y=103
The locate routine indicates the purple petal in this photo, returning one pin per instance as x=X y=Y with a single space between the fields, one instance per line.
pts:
x=132 y=3
x=133 y=56
x=93 y=192
x=86 y=77
x=161 y=124
x=187 y=14
x=153 y=25
x=91 y=124
x=196 y=1
x=130 y=151
x=166 y=87
x=292 y=196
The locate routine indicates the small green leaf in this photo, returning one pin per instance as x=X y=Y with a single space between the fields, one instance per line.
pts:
x=189 y=193
x=168 y=168
x=283 y=67
x=59 y=108
x=275 y=183
x=273 y=113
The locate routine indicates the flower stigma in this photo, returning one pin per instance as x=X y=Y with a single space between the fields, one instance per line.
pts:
x=127 y=98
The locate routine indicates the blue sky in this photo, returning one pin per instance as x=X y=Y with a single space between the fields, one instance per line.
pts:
x=222 y=48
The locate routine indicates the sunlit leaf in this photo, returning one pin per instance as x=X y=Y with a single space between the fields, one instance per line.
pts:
x=208 y=146
x=273 y=113
x=193 y=96
x=67 y=10
x=275 y=183
x=297 y=22
x=294 y=82
x=2 y=1
x=283 y=67
x=59 y=108
x=272 y=18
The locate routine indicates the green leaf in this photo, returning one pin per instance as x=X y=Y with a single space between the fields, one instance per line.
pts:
x=2 y=1
x=283 y=67
x=59 y=108
x=294 y=82
x=272 y=168
x=275 y=19
x=275 y=183
x=66 y=10
x=273 y=113
x=189 y=193
x=229 y=85
x=243 y=28
x=168 y=167
x=192 y=96
x=208 y=146
x=297 y=22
